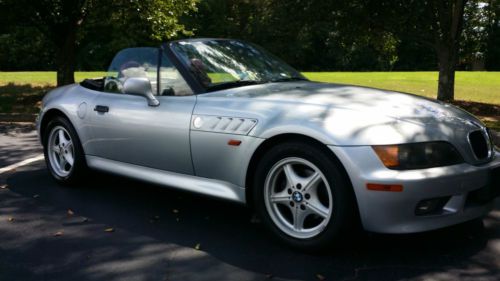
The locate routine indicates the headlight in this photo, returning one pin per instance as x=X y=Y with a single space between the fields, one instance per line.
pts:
x=418 y=155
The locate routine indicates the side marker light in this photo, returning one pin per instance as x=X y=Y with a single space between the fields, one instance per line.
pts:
x=384 y=187
x=234 y=142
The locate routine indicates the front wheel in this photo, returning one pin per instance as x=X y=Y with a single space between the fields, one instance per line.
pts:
x=63 y=153
x=303 y=197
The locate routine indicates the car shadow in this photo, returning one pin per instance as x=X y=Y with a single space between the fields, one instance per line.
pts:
x=231 y=234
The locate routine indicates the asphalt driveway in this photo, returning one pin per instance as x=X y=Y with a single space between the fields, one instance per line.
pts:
x=18 y=141
x=111 y=228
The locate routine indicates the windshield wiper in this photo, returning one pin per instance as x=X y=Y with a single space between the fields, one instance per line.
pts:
x=233 y=84
x=289 y=79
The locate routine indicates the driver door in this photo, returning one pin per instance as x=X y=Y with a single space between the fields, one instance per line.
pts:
x=126 y=129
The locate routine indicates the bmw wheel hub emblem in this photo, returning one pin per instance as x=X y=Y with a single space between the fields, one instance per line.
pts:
x=297 y=197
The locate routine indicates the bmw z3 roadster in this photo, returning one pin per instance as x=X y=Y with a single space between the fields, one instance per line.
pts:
x=227 y=119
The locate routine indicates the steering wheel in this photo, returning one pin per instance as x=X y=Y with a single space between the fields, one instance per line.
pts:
x=112 y=84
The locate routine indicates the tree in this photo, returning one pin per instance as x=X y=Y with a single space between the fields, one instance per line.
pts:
x=309 y=34
x=24 y=48
x=437 y=24
x=447 y=24
x=66 y=23
x=492 y=53
x=475 y=33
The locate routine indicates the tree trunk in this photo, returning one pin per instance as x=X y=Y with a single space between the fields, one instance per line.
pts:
x=446 y=84
x=448 y=29
x=66 y=59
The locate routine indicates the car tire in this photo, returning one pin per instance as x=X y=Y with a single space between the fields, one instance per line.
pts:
x=63 y=152
x=304 y=198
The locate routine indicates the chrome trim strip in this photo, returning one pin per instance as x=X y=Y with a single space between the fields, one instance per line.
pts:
x=211 y=187
x=489 y=141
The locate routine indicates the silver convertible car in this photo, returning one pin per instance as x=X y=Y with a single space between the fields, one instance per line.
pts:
x=227 y=119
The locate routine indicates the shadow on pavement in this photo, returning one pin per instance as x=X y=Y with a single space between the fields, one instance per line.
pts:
x=18 y=141
x=157 y=228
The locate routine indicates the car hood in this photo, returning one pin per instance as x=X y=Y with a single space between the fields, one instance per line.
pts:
x=368 y=101
x=342 y=115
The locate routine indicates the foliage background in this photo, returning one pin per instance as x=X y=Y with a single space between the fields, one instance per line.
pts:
x=311 y=35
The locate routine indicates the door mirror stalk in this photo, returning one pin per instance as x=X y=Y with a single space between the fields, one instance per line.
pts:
x=140 y=86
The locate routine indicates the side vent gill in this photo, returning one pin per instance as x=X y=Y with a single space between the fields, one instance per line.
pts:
x=222 y=124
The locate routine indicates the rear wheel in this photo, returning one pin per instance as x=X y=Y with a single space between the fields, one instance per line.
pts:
x=63 y=152
x=303 y=197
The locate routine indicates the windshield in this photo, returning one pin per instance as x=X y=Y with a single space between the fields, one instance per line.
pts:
x=221 y=64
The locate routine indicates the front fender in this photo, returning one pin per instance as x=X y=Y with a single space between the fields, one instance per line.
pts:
x=342 y=127
x=72 y=101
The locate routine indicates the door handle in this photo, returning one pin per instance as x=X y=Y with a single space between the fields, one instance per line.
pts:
x=101 y=108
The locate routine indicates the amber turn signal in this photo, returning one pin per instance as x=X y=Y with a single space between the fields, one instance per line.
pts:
x=384 y=187
x=234 y=142
x=388 y=154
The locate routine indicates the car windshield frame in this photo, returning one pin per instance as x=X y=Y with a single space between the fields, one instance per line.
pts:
x=262 y=68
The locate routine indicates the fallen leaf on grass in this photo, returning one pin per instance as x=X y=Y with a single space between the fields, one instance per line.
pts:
x=109 y=229
x=59 y=233
x=11 y=219
x=197 y=246
x=70 y=212
x=320 y=277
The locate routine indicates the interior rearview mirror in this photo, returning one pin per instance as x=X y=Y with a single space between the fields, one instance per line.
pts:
x=140 y=86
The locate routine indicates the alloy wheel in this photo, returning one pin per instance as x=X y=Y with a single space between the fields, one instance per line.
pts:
x=298 y=198
x=61 y=151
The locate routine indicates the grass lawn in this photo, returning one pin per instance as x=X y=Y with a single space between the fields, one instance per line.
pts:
x=470 y=86
x=20 y=92
x=40 y=78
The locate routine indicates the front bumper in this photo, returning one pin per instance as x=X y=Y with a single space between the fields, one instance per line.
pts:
x=395 y=212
